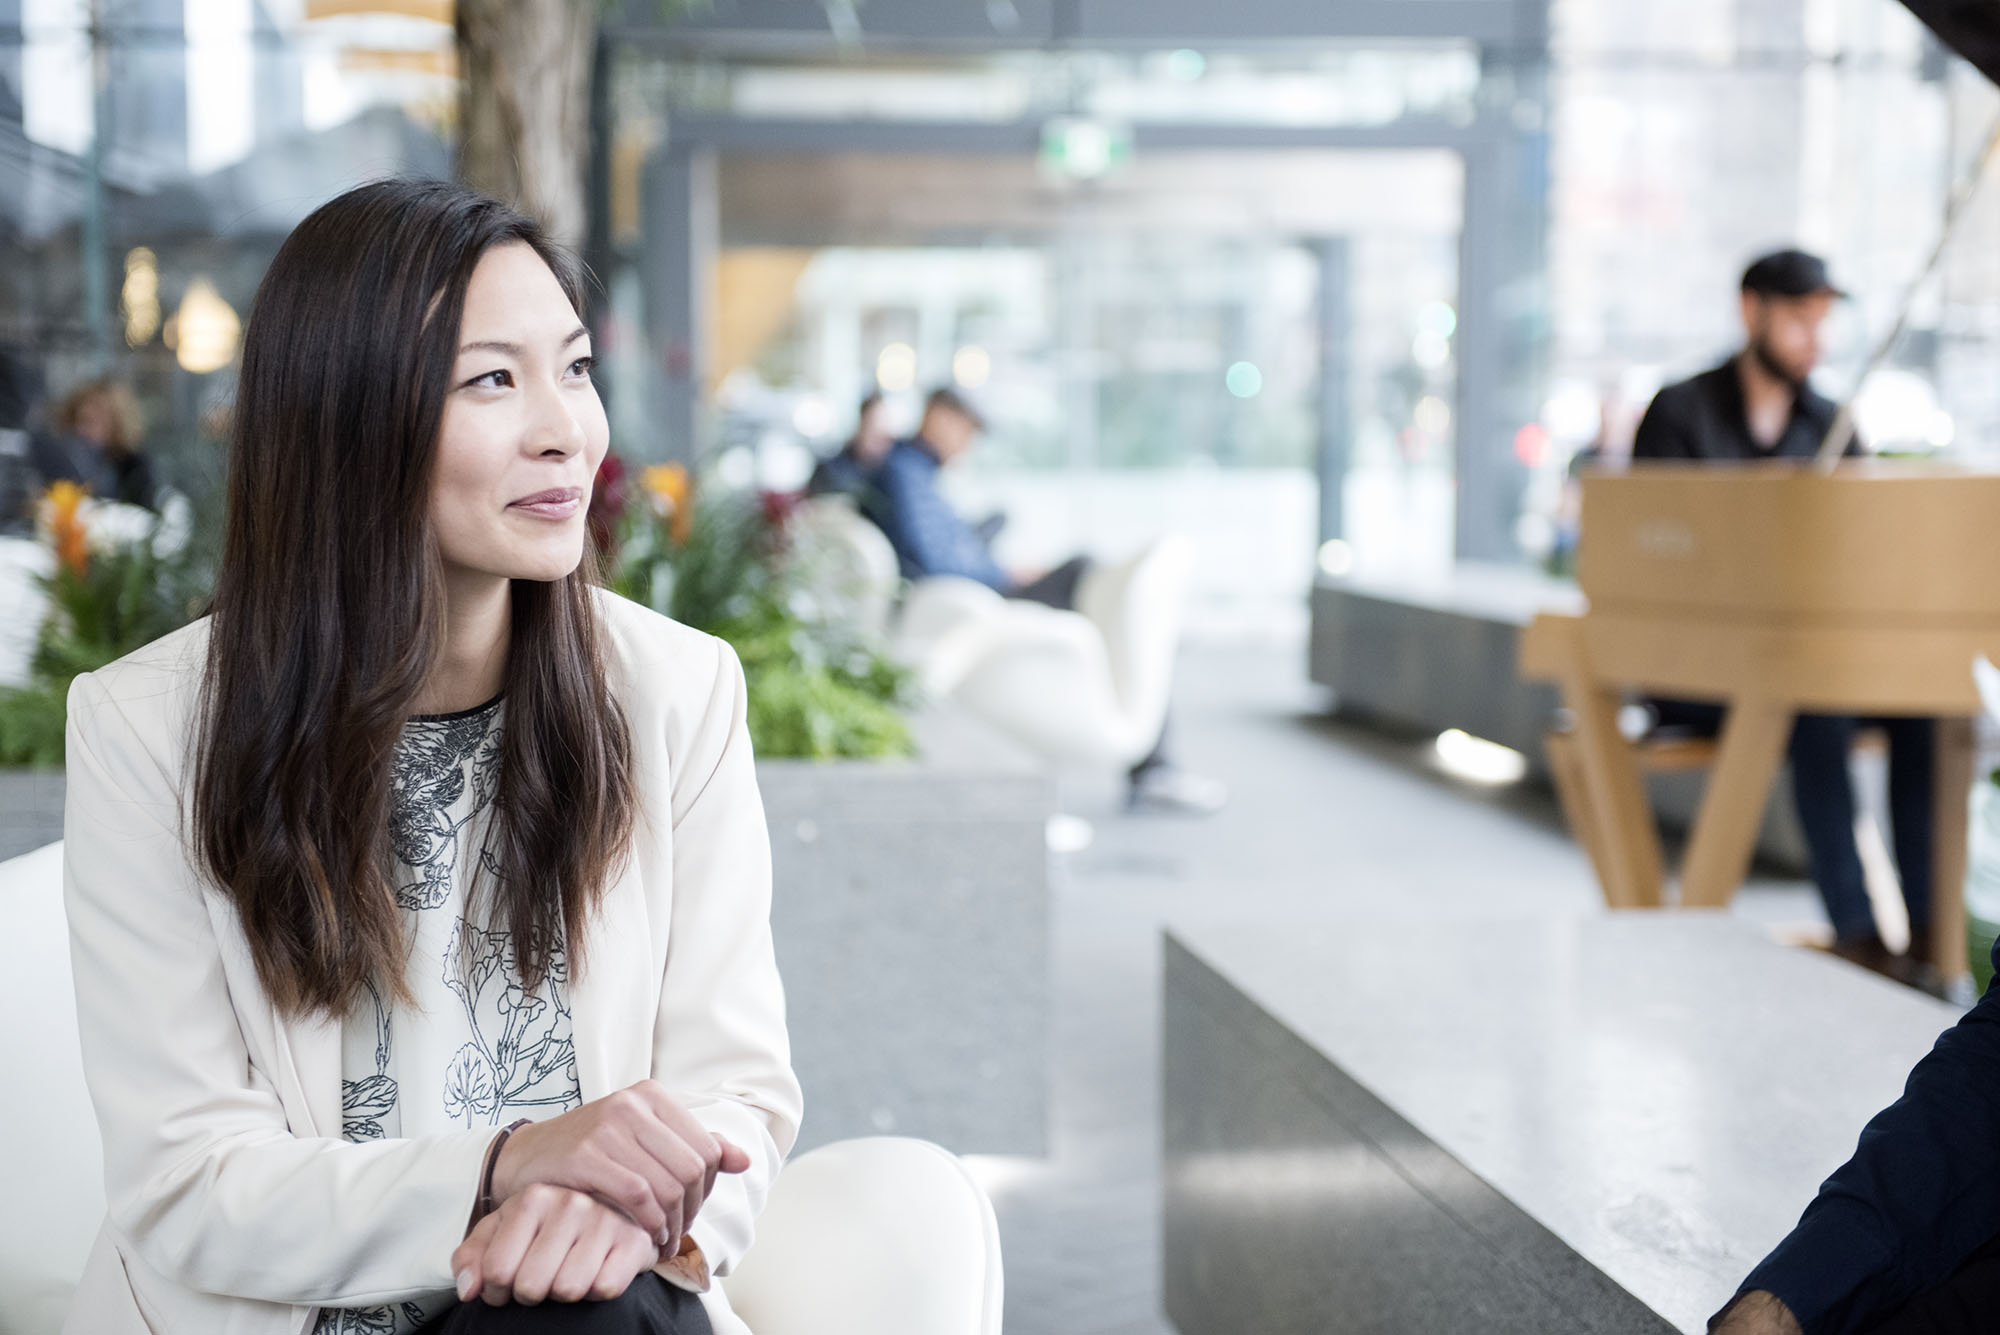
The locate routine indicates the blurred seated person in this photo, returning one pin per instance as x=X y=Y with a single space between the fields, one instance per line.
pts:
x=850 y=471
x=94 y=439
x=931 y=538
x=1904 y=1238
x=1758 y=405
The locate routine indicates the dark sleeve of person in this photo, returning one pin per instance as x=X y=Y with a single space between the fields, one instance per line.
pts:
x=1920 y=1195
x=135 y=481
x=1667 y=431
x=49 y=459
x=928 y=535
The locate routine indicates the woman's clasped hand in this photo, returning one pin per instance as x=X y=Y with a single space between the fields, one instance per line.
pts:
x=592 y=1197
x=551 y=1243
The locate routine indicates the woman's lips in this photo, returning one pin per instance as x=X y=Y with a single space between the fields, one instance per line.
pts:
x=560 y=503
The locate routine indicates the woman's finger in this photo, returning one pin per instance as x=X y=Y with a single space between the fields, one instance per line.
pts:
x=518 y=1222
x=733 y=1159
x=572 y=1283
x=560 y=1229
x=632 y=1255
x=625 y=1176
x=682 y=1167
x=466 y=1259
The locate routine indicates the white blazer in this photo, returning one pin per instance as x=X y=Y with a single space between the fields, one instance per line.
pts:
x=234 y=1208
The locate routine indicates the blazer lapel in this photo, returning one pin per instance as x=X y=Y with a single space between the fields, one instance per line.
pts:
x=300 y=1056
x=613 y=997
x=312 y=1048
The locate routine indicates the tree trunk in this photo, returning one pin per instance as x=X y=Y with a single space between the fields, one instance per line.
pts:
x=524 y=106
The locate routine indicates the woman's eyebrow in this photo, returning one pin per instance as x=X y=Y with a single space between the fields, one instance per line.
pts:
x=514 y=349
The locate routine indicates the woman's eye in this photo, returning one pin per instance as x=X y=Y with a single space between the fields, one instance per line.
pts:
x=581 y=366
x=493 y=380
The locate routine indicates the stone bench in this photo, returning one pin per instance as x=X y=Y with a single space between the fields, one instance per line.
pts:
x=1591 y=1125
x=1442 y=653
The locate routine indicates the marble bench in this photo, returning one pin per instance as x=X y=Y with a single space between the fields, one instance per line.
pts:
x=1437 y=653
x=1586 y=1125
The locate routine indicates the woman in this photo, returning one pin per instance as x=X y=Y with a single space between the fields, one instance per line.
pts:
x=416 y=836
x=96 y=442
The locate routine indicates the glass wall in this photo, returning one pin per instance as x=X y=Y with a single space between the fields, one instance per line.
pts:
x=1147 y=347
x=150 y=166
x=1689 y=138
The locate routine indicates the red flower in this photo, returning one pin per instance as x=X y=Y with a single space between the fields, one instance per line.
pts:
x=607 y=503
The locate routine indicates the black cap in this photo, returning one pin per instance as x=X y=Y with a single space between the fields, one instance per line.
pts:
x=1788 y=273
x=951 y=400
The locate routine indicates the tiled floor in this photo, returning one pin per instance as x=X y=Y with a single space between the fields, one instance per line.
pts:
x=1327 y=819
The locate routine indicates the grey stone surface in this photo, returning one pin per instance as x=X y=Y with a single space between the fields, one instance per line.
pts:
x=1431 y=655
x=31 y=810
x=1378 y=1125
x=910 y=908
x=1297 y=1202
x=1438 y=655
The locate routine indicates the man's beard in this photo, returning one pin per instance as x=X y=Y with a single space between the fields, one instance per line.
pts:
x=1767 y=359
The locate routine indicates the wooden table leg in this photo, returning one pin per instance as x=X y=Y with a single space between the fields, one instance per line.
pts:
x=1628 y=841
x=1752 y=748
x=1948 y=849
x=1585 y=826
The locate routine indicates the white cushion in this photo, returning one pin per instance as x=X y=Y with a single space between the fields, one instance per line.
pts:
x=880 y=1236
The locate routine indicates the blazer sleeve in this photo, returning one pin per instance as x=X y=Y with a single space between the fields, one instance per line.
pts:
x=205 y=1180
x=1920 y=1195
x=720 y=1045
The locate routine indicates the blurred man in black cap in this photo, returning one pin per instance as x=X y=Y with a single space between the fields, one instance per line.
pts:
x=1759 y=405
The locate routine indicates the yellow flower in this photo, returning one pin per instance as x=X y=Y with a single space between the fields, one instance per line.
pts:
x=64 y=504
x=671 y=492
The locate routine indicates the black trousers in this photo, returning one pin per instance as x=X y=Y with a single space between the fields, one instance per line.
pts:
x=1824 y=797
x=1057 y=589
x=651 y=1306
x=1965 y=1304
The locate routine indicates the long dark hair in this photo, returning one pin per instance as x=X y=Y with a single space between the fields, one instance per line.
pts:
x=329 y=613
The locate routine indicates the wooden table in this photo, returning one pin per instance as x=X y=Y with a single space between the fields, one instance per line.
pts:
x=1772 y=591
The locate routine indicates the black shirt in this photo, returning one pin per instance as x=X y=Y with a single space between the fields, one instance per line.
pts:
x=1705 y=418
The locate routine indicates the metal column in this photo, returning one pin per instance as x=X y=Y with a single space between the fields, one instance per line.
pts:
x=1335 y=403
x=678 y=265
x=1503 y=302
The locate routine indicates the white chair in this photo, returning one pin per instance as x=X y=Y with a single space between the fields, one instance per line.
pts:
x=863 y=1237
x=846 y=564
x=1088 y=687
x=883 y=1235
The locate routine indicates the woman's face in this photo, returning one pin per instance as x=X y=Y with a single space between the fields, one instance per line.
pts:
x=93 y=420
x=523 y=431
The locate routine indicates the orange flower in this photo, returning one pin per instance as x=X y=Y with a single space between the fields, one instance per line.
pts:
x=671 y=491
x=66 y=528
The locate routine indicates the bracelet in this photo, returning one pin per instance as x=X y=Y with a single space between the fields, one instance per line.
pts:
x=493 y=1162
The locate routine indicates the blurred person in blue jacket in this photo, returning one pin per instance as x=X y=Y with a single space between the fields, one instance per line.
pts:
x=932 y=538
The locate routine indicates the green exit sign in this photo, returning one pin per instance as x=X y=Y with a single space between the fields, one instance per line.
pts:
x=1079 y=148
